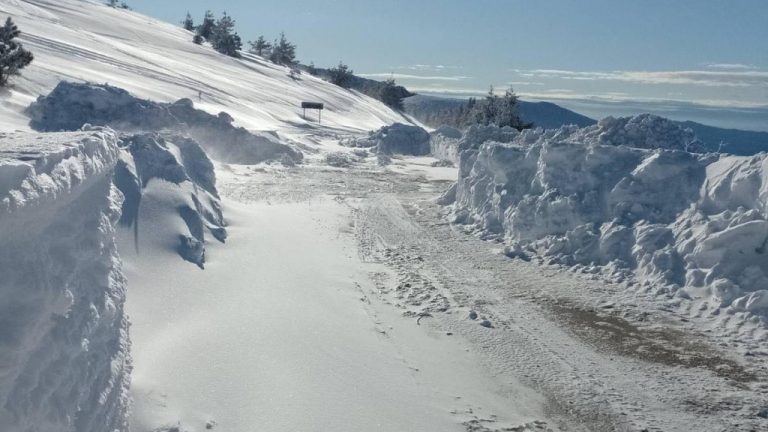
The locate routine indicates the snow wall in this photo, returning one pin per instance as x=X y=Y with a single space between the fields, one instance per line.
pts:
x=630 y=197
x=64 y=362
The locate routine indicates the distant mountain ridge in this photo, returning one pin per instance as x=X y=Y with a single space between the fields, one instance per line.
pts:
x=542 y=114
x=549 y=116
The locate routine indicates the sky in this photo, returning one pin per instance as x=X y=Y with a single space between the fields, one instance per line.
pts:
x=686 y=59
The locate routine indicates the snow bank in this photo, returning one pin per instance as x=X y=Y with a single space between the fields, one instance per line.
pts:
x=626 y=197
x=394 y=139
x=446 y=142
x=180 y=161
x=71 y=105
x=64 y=361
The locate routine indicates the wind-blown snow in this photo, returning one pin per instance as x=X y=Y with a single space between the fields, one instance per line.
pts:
x=64 y=363
x=189 y=180
x=70 y=106
x=625 y=196
x=84 y=40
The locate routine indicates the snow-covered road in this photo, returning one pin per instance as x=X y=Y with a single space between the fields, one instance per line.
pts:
x=342 y=301
x=281 y=331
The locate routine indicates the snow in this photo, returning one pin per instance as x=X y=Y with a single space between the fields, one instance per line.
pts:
x=71 y=105
x=625 y=196
x=340 y=301
x=64 y=361
x=86 y=41
x=293 y=340
x=188 y=174
x=397 y=138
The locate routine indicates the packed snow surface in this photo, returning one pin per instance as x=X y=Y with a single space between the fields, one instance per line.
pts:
x=625 y=196
x=64 y=363
x=87 y=41
x=281 y=331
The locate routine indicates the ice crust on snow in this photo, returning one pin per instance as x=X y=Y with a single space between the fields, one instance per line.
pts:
x=71 y=105
x=64 y=362
x=630 y=196
x=397 y=138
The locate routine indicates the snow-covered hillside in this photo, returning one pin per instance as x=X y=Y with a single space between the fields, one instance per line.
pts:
x=327 y=292
x=64 y=361
x=626 y=197
x=84 y=40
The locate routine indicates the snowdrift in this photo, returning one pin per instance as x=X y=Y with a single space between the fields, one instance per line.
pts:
x=64 y=363
x=394 y=139
x=190 y=200
x=87 y=41
x=70 y=105
x=630 y=197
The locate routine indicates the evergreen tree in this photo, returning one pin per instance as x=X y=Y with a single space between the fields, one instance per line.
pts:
x=283 y=52
x=499 y=111
x=112 y=3
x=507 y=113
x=341 y=75
x=224 y=39
x=261 y=47
x=188 y=23
x=311 y=69
x=205 y=29
x=391 y=94
x=13 y=56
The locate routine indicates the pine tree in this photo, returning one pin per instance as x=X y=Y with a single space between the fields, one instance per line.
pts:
x=188 y=23
x=13 y=56
x=507 y=113
x=391 y=95
x=112 y=3
x=261 y=47
x=283 y=52
x=311 y=69
x=205 y=29
x=223 y=37
x=341 y=75
x=499 y=111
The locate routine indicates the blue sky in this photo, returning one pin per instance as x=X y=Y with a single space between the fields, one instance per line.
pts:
x=683 y=58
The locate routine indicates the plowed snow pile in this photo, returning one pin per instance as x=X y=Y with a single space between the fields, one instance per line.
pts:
x=626 y=198
x=64 y=363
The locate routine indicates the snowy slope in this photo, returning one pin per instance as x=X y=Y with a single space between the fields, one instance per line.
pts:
x=84 y=40
x=64 y=363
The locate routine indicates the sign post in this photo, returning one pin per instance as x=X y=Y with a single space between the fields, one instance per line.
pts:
x=319 y=106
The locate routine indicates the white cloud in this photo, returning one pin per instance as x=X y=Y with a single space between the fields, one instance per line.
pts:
x=426 y=67
x=620 y=98
x=730 y=66
x=525 y=83
x=414 y=77
x=708 y=78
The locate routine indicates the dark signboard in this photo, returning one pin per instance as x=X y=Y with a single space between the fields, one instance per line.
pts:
x=312 y=105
